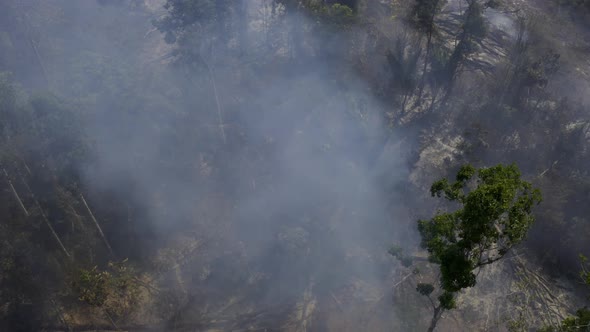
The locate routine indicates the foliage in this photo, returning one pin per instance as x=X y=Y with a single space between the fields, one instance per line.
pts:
x=580 y=322
x=493 y=217
x=425 y=289
x=447 y=300
x=585 y=272
x=92 y=286
x=182 y=14
x=336 y=16
x=116 y=288
x=423 y=13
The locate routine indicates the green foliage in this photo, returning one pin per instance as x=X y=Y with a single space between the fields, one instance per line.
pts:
x=116 y=288
x=447 y=301
x=580 y=322
x=493 y=217
x=92 y=286
x=335 y=16
x=425 y=289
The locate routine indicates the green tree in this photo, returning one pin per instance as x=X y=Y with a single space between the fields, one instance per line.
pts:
x=494 y=214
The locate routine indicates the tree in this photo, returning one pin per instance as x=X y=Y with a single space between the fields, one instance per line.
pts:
x=495 y=214
x=402 y=64
x=473 y=29
x=196 y=26
x=423 y=16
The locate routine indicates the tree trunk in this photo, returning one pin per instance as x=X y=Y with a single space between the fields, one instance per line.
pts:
x=53 y=232
x=35 y=50
x=423 y=79
x=217 y=102
x=104 y=239
x=61 y=316
x=20 y=202
x=46 y=220
x=428 y=46
x=435 y=317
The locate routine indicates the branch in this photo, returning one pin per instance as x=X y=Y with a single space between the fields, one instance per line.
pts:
x=489 y=261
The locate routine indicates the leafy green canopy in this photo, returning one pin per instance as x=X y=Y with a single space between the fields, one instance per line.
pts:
x=495 y=214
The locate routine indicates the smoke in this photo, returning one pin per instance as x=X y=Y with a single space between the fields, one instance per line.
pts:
x=261 y=164
x=289 y=189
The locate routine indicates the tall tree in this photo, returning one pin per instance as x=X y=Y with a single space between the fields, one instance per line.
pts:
x=423 y=15
x=495 y=214
x=473 y=29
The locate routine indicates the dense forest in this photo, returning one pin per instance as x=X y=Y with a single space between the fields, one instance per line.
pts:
x=294 y=165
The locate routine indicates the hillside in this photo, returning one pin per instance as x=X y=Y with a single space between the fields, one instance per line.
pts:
x=198 y=165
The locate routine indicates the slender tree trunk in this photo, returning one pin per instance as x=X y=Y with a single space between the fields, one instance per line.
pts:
x=111 y=320
x=427 y=55
x=217 y=102
x=433 y=101
x=20 y=202
x=104 y=239
x=24 y=163
x=35 y=50
x=425 y=67
x=63 y=248
x=61 y=316
x=46 y=220
x=435 y=317
x=404 y=101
